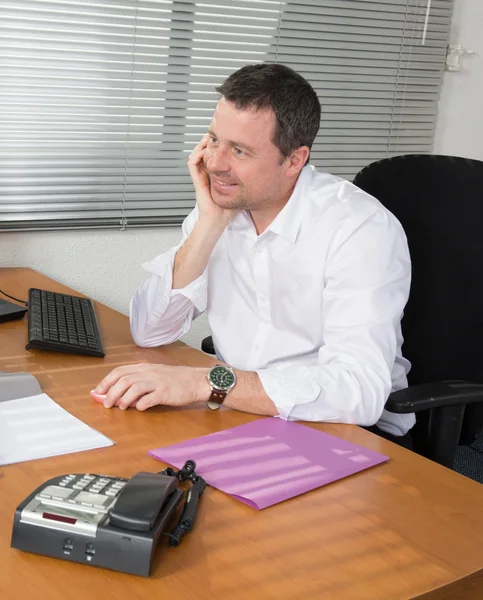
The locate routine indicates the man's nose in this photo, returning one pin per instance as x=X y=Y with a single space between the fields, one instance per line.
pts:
x=217 y=160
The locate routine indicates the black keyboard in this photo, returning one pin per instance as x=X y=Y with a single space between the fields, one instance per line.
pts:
x=63 y=323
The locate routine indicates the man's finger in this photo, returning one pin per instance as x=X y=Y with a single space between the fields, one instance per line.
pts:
x=196 y=156
x=148 y=400
x=133 y=394
x=117 y=391
x=114 y=376
x=198 y=175
x=109 y=380
x=199 y=147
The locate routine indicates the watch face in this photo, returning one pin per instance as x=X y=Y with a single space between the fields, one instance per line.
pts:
x=222 y=378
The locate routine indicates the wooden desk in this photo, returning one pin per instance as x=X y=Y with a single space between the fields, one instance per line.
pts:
x=405 y=529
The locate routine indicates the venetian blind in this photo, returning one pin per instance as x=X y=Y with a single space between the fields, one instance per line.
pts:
x=102 y=101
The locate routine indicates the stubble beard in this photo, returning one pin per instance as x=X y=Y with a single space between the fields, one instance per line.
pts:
x=228 y=200
x=232 y=202
x=242 y=200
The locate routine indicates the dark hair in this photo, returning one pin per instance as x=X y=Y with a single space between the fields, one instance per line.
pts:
x=291 y=97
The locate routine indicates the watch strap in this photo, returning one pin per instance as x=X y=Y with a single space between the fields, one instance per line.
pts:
x=217 y=397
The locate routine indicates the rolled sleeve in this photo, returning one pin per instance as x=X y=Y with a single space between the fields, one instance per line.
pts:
x=196 y=292
x=158 y=314
x=154 y=295
x=162 y=267
x=288 y=387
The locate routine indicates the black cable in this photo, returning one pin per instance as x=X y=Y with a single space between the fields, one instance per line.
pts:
x=187 y=519
x=13 y=298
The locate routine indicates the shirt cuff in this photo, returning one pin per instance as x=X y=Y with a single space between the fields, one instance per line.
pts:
x=162 y=264
x=196 y=291
x=288 y=387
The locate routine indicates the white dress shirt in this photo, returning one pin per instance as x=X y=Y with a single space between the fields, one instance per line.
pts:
x=313 y=304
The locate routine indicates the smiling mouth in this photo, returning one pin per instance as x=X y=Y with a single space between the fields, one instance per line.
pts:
x=221 y=183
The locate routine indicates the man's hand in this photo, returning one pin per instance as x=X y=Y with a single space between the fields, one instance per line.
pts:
x=193 y=256
x=208 y=210
x=145 y=385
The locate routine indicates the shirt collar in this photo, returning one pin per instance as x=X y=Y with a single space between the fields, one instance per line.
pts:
x=287 y=222
x=242 y=223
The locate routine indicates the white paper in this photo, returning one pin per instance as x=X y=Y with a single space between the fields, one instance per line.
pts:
x=37 y=427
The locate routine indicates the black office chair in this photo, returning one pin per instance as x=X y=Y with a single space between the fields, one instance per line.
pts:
x=439 y=202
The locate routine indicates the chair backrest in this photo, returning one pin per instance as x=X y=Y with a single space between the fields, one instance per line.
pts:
x=439 y=202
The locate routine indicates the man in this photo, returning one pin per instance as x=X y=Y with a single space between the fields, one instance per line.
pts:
x=303 y=275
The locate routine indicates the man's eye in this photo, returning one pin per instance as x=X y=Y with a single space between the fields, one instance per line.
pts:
x=213 y=139
x=238 y=152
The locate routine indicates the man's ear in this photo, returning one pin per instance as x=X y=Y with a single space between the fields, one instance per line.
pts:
x=297 y=160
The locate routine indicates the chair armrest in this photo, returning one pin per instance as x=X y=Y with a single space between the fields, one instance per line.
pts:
x=434 y=395
x=208 y=346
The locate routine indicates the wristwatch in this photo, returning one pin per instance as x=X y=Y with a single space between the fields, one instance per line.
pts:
x=222 y=380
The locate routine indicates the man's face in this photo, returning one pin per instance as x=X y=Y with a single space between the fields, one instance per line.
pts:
x=246 y=170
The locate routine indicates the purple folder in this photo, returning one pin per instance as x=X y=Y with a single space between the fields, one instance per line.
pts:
x=269 y=460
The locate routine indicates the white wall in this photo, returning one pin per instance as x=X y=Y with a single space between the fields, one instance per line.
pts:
x=459 y=130
x=105 y=265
